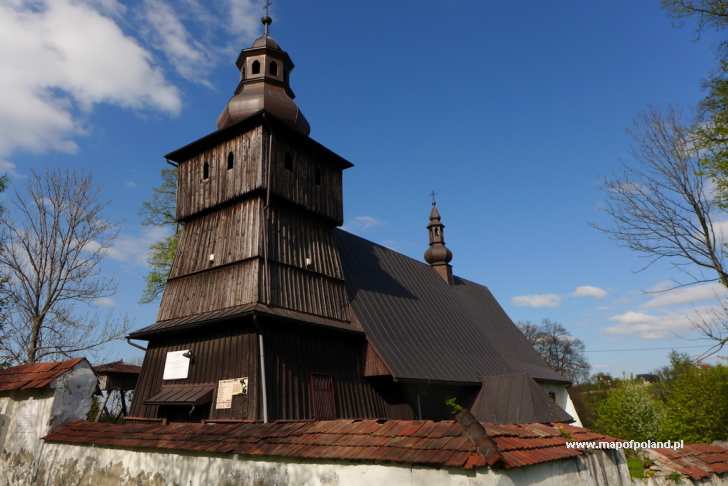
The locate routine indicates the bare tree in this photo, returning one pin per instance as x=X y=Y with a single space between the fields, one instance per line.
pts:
x=561 y=351
x=662 y=208
x=51 y=254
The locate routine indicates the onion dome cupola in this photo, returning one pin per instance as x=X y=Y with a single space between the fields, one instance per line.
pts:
x=265 y=71
x=438 y=255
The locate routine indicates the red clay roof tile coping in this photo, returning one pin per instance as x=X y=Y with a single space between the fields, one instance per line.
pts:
x=415 y=442
x=697 y=461
x=35 y=376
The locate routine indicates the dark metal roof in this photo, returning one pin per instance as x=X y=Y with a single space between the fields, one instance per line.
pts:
x=236 y=312
x=490 y=318
x=425 y=329
x=182 y=395
x=515 y=399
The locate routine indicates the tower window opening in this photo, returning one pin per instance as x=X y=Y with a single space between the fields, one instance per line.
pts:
x=273 y=69
x=205 y=171
x=288 y=162
x=317 y=176
x=230 y=161
x=255 y=67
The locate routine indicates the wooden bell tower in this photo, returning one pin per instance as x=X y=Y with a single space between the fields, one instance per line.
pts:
x=258 y=202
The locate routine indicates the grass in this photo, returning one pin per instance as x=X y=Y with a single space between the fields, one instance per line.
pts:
x=636 y=467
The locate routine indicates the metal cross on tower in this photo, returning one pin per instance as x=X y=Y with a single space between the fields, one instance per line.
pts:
x=267 y=20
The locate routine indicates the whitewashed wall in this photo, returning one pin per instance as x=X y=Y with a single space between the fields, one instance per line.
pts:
x=80 y=465
x=563 y=400
x=26 y=417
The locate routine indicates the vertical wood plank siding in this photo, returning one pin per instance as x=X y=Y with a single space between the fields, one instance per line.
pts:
x=195 y=194
x=215 y=289
x=231 y=233
x=293 y=354
x=218 y=355
x=374 y=365
x=299 y=185
x=294 y=236
x=308 y=292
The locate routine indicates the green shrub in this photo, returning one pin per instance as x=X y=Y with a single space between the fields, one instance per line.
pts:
x=696 y=405
x=629 y=412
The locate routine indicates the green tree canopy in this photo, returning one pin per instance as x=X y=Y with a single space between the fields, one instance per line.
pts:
x=696 y=405
x=629 y=412
x=160 y=210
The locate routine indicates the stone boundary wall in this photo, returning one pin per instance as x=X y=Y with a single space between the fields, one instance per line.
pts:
x=63 y=464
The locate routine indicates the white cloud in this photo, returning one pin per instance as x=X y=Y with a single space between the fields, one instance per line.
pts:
x=62 y=57
x=686 y=295
x=366 y=222
x=658 y=326
x=7 y=168
x=589 y=291
x=537 y=300
x=132 y=248
x=105 y=302
x=244 y=17
x=720 y=228
x=168 y=34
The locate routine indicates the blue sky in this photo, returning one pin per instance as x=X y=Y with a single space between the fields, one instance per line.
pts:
x=513 y=113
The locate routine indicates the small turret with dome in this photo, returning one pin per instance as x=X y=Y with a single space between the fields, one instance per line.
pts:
x=438 y=255
x=264 y=85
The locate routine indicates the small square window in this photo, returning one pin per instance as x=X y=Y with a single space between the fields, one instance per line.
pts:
x=317 y=176
x=230 y=161
x=288 y=162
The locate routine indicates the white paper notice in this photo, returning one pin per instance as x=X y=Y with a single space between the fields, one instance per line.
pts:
x=176 y=366
x=227 y=388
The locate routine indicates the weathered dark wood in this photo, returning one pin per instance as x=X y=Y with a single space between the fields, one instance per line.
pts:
x=293 y=354
x=295 y=236
x=195 y=194
x=374 y=365
x=214 y=289
x=309 y=292
x=231 y=234
x=299 y=184
x=218 y=355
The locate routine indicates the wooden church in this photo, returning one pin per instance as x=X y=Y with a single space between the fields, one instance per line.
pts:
x=272 y=312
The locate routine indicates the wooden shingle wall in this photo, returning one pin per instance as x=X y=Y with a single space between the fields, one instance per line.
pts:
x=231 y=234
x=214 y=289
x=224 y=353
x=195 y=194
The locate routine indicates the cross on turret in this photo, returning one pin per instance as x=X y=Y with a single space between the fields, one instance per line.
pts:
x=266 y=20
x=438 y=255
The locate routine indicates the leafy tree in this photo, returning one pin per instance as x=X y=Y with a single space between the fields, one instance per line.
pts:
x=561 y=351
x=629 y=412
x=160 y=210
x=708 y=13
x=696 y=405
